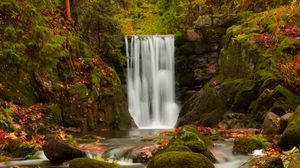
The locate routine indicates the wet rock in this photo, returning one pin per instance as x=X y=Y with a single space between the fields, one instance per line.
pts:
x=246 y=145
x=59 y=151
x=179 y=160
x=143 y=155
x=284 y=121
x=190 y=137
x=91 y=163
x=264 y=162
x=20 y=149
x=291 y=135
x=271 y=124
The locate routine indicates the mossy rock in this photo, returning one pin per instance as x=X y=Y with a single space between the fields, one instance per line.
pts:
x=291 y=135
x=264 y=162
x=190 y=137
x=91 y=163
x=21 y=149
x=180 y=160
x=190 y=133
x=178 y=148
x=246 y=145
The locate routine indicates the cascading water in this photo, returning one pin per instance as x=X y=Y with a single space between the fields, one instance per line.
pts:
x=150 y=80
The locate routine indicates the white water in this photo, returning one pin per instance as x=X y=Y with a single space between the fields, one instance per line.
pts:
x=150 y=81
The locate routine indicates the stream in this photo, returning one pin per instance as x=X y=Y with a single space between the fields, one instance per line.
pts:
x=123 y=147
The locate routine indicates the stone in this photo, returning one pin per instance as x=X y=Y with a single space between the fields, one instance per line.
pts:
x=291 y=135
x=284 y=121
x=271 y=124
x=190 y=137
x=204 y=21
x=91 y=163
x=20 y=149
x=59 y=151
x=180 y=159
x=273 y=162
x=246 y=145
x=264 y=162
x=192 y=36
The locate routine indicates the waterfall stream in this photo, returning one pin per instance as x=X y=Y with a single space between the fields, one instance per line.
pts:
x=150 y=80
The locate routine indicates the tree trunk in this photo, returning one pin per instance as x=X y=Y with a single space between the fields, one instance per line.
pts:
x=68 y=10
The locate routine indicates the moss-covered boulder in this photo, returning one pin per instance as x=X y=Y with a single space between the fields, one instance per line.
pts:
x=291 y=135
x=178 y=148
x=196 y=142
x=264 y=162
x=179 y=160
x=20 y=149
x=91 y=163
x=246 y=145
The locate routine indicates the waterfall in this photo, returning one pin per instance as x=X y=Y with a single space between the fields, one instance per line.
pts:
x=150 y=80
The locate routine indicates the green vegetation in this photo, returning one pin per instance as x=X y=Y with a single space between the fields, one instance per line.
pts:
x=85 y=162
x=180 y=159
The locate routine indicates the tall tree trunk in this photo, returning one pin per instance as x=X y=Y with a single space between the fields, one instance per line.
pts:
x=68 y=10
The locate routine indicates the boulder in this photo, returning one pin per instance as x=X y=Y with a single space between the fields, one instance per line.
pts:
x=264 y=162
x=284 y=121
x=91 y=163
x=291 y=135
x=190 y=137
x=271 y=124
x=246 y=145
x=59 y=151
x=273 y=162
x=180 y=159
x=20 y=149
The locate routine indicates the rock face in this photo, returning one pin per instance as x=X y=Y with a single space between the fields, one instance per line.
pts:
x=248 y=80
x=91 y=163
x=179 y=160
x=291 y=135
x=59 y=151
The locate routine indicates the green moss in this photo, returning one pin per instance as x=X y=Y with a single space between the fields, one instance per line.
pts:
x=21 y=149
x=291 y=99
x=246 y=145
x=178 y=148
x=91 y=163
x=265 y=143
x=190 y=132
x=79 y=89
x=179 y=160
x=291 y=135
x=54 y=113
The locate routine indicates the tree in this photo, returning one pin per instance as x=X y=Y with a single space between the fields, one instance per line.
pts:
x=68 y=10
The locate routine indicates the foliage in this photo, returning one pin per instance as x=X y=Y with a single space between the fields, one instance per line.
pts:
x=26 y=41
x=291 y=72
x=100 y=30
